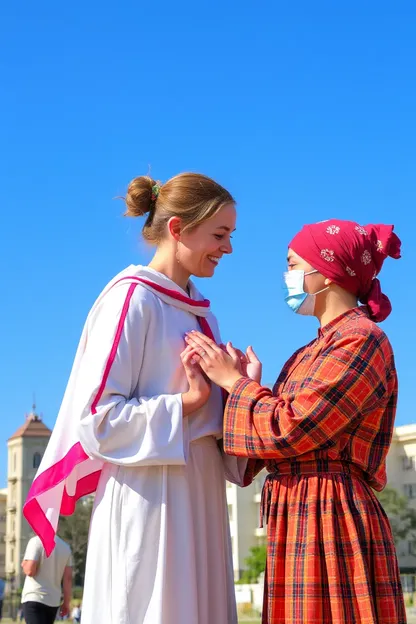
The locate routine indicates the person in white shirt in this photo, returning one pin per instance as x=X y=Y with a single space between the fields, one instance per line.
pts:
x=41 y=596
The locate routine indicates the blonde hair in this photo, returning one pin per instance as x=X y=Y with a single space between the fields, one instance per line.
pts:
x=192 y=197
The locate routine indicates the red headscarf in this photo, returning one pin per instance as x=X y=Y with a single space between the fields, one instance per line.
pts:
x=351 y=256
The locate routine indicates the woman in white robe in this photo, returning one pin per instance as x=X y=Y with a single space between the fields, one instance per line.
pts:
x=146 y=427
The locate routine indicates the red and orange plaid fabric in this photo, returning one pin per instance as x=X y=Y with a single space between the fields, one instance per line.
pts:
x=323 y=435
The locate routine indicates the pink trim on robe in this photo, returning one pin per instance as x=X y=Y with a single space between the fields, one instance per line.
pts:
x=167 y=291
x=60 y=471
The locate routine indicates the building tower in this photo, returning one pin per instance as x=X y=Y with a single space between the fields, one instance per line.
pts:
x=25 y=451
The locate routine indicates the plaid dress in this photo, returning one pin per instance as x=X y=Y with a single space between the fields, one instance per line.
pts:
x=323 y=435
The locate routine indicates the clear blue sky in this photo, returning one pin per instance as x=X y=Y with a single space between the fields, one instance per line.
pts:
x=304 y=110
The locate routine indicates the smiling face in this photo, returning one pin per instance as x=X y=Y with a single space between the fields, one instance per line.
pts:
x=200 y=249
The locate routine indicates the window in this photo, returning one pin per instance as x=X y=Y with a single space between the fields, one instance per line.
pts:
x=412 y=548
x=230 y=512
x=2 y=560
x=407 y=462
x=410 y=490
x=36 y=460
x=408 y=583
x=14 y=462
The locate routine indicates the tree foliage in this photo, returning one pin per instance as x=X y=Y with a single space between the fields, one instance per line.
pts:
x=74 y=530
x=401 y=515
x=255 y=563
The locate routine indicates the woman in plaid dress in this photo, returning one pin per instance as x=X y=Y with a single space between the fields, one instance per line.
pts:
x=323 y=434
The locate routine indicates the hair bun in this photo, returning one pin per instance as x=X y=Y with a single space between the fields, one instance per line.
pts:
x=139 y=198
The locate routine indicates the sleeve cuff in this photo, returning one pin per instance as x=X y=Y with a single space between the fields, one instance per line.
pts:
x=244 y=385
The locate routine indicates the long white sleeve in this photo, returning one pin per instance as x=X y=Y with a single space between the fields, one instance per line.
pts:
x=234 y=468
x=115 y=426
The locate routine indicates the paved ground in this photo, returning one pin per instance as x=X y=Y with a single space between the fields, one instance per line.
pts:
x=411 y=619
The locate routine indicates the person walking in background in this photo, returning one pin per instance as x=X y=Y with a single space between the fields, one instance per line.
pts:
x=323 y=434
x=76 y=614
x=41 y=596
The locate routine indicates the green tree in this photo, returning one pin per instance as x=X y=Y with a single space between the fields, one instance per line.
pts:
x=74 y=530
x=255 y=563
x=402 y=517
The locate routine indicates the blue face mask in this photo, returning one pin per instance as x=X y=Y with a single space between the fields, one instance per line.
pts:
x=296 y=298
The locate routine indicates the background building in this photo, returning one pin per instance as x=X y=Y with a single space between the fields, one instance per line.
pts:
x=243 y=511
x=25 y=451
x=401 y=475
x=3 y=513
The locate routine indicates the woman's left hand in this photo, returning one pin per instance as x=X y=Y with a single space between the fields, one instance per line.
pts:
x=222 y=367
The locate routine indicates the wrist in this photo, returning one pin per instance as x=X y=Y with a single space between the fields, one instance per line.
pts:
x=228 y=385
x=190 y=403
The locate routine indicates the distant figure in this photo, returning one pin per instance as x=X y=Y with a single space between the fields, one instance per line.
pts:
x=2 y=588
x=76 y=614
x=41 y=596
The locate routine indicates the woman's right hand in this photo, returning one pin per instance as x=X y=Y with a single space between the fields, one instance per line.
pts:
x=251 y=365
x=199 y=386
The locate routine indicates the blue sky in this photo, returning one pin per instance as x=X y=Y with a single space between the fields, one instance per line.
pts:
x=305 y=111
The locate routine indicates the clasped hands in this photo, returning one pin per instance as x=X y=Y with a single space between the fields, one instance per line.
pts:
x=222 y=365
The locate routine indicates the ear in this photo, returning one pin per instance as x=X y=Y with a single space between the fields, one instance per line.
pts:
x=175 y=228
x=328 y=281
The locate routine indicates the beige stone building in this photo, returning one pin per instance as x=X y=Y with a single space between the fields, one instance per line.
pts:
x=244 y=514
x=3 y=513
x=401 y=473
x=25 y=451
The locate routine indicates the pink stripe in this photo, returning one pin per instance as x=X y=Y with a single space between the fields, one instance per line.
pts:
x=114 y=348
x=167 y=291
x=206 y=329
x=50 y=478
x=57 y=473
x=35 y=516
x=86 y=485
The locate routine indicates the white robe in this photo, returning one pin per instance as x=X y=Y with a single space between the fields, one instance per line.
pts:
x=159 y=548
